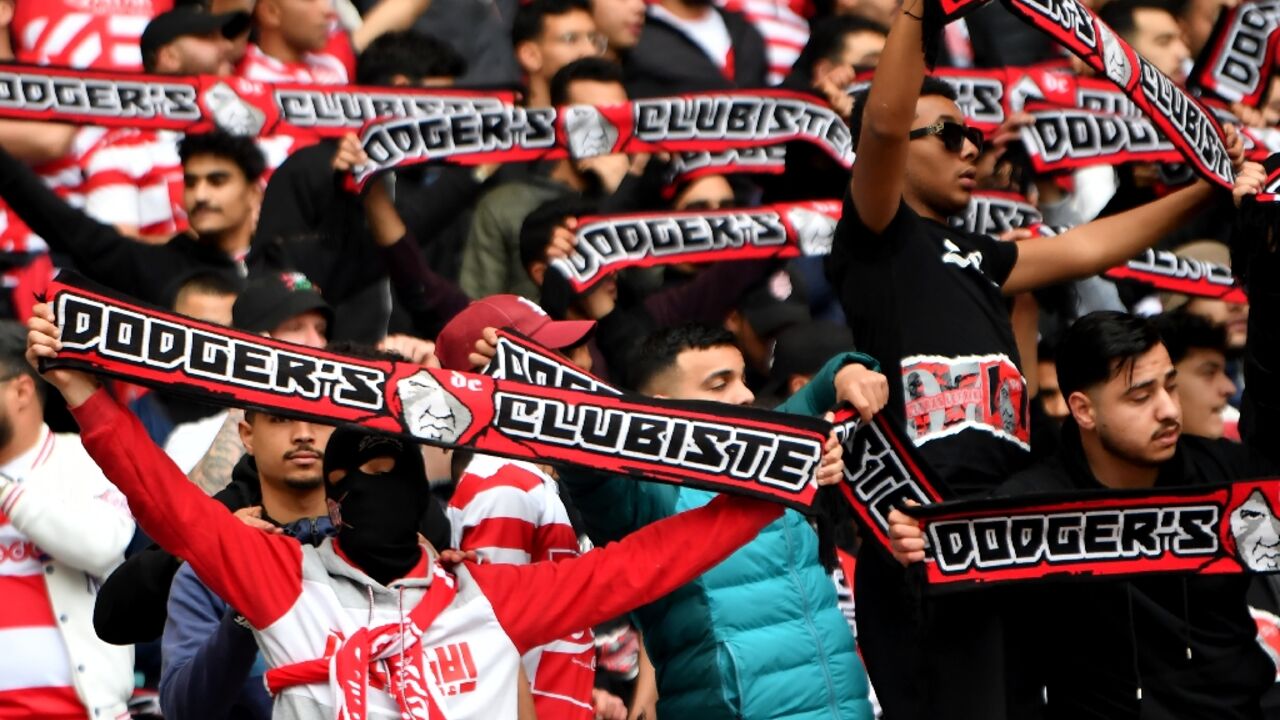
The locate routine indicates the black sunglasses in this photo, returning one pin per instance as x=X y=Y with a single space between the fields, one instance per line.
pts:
x=952 y=133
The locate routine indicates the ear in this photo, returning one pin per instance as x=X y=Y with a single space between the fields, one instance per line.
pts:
x=6 y=13
x=246 y=436
x=733 y=322
x=1082 y=409
x=24 y=387
x=537 y=272
x=796 y=383
x=167 y=59
x=530 y=57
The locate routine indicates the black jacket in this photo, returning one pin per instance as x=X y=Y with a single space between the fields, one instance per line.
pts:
x=152 y=273
x=666 y=62
x=1186 y=642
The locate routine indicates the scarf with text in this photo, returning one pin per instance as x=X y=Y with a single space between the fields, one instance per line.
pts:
x=731 y=449
x=200 y=103
x=701 y=122
x=609 y=243
x=1237 y=61
x=1188 y=125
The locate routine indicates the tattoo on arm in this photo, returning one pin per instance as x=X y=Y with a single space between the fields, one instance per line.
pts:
x=213 y=472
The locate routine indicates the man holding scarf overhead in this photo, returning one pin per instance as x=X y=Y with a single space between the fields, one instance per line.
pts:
x=371 y=609
x=929 y=302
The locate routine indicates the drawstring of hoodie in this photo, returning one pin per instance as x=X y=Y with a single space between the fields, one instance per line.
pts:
x=1186 y=617
x=1133 y=641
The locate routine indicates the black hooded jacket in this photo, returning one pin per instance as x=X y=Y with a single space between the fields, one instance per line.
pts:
x=1185 y=644
x=667 y=62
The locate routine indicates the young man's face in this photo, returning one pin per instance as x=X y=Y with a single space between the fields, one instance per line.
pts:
x=1051 y=400
x=206 y=306
x=217 y=196
x=936 y=177
x=862 y=49
x=209 y=54
x=565 y=38
x=620 y=20
x=716 y=373
x=1136 y=414
x=1203 y=390
x=309 y=328
x=1233 y=316
x=304 y=24
x=1157 y=37
x=289 y=453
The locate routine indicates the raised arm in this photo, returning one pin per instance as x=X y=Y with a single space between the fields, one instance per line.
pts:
x=230 y=556
x=877 y=182
x=607 y=582
x=1106 y=242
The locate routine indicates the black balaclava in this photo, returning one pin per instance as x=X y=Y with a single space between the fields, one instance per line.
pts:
x=377 y=515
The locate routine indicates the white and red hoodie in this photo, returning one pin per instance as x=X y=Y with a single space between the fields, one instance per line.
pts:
x=305 y=602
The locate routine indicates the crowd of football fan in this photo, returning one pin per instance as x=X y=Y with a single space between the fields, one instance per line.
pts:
x=1010 y=362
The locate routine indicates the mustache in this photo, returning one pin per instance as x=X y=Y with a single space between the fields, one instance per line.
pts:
x=310 y=449
x=1166 y=428
x=203 y=206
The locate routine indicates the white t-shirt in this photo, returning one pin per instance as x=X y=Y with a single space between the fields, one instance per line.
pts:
x=708 y=32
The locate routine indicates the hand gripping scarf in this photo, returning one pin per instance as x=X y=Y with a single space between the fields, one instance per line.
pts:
x=703 y=122
x=609 y=243
x=200 y=103
x=743 y=450
x=1187 y=124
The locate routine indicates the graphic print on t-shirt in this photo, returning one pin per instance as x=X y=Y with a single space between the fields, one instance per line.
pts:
x=945 y=396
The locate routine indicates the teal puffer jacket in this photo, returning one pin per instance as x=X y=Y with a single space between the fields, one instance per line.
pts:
x=758 y=636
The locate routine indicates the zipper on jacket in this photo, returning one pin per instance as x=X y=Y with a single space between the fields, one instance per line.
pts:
x=832 y=702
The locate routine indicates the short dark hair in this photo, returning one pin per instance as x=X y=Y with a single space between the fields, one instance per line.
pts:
x=531 y=17
x=242 y=151
x=410 y=53
x=658 y=352
x=209 y=282
x=592 y=69
x=1099 y=346
x=930 y=86
x=826 y=39
x=13 y=354
x=1181 y=332
x=1119 y=14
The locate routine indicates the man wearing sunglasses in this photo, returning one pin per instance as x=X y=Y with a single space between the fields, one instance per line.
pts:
x=930 y=302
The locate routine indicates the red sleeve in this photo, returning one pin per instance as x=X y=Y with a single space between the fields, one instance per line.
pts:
x=258 y=574
x=541 y=602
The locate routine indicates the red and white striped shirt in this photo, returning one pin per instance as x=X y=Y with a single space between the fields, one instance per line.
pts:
x=321 y=68
x=784 y=27
x=35 y=669
x=134 y=178
x=510 y=513
x=86 y=34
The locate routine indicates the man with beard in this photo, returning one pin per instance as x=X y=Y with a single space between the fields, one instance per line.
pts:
x=221 y=196
x=371 y=609
x=62 y=529
x=929 y=302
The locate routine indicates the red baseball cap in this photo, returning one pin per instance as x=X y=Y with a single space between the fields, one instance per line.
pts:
x=458 y=338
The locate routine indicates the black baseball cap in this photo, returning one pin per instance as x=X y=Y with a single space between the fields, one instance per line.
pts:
x=190 y=20
x=803 y=349
x=269 y=300
x=776 y=305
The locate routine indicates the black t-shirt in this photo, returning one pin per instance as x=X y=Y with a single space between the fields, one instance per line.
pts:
x=924 y=299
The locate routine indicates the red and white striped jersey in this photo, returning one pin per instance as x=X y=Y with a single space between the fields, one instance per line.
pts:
x=35 y=669
x=784 y=27
x=86 y=34
x=134 y=178
x=510 y=513
x=320 y=68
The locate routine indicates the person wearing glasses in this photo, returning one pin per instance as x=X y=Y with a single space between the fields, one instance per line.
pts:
x=930 y=302
x=549 y=34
